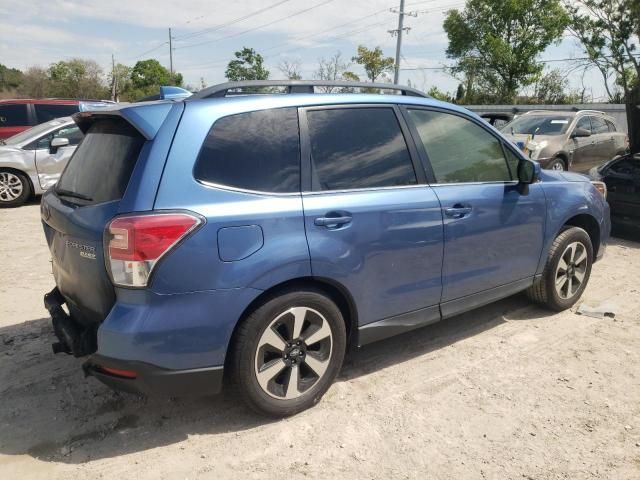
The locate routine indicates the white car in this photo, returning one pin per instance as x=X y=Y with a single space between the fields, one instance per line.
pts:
x=32 y=161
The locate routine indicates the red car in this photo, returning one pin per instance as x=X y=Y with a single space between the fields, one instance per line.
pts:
x=21 y=114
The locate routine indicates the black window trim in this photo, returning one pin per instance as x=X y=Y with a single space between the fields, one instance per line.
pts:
x=482 y=124
x=220 y=186
x=305 y=147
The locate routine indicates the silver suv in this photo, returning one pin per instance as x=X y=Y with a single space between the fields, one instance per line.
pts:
x=574 y=141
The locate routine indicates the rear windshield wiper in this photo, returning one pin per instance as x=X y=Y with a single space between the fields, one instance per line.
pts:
x=69 y=193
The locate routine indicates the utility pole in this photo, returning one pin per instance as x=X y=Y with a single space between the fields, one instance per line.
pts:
x=401 y=28
x=170 y=52
x=114 y=86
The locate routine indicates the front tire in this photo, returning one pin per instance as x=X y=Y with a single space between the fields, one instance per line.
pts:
x=566 y=272
x=557 y=164
x=15 y=188
x=288 y=352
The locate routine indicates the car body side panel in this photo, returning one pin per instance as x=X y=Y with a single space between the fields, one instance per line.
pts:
x=50 y=165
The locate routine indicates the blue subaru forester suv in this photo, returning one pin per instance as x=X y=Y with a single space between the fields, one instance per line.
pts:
x=260 y=235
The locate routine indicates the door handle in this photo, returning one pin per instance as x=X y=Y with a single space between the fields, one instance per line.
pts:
x=332 y=221
x=458 y=211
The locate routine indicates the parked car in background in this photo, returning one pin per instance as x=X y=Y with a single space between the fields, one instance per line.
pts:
x=622 y=178
x=497 y=119
x=261 y=235
x=31 y=161
x=21 y=114
x=576 y=141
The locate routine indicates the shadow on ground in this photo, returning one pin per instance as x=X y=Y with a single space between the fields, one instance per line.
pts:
x=49 y=411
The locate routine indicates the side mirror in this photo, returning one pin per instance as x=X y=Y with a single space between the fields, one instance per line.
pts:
x=580 y=132
x=58 y=142
x=528 y=173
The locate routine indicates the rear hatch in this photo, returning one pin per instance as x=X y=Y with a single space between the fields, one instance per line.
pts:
x=76 y=211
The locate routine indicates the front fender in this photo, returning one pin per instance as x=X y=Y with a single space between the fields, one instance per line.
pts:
x=566 y=200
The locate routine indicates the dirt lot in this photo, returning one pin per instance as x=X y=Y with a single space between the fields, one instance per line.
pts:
x=506 y=392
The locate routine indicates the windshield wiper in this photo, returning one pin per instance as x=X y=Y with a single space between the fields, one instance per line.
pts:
x=69 y=193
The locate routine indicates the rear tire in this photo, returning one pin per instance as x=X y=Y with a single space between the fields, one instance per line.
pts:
x=15 y=188
x=287 y=352
x=566 y=272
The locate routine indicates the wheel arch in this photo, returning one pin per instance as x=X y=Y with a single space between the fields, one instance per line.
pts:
x=334 y=290
x=589 y=224
x=564 y=156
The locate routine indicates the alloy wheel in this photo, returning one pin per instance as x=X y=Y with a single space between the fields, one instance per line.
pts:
x=10 y=187
x=558 y=166
x=293 y=353
x=571 y=270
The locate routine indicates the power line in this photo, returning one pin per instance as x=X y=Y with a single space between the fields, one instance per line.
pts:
x=149 y=51
x=300 y=12
x=231 y=22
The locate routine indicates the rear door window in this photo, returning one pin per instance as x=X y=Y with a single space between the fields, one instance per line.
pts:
x=354 y=148
x=102 y=164
x=44 y=113
x=257 y=151
x=14 y=115
x=611 y=125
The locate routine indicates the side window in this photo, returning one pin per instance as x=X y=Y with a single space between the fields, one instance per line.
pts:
x=358 y=148
x=460 y=150
x=73 y=133
x=44 y=112
x=13 y=115
x=253 y=151
x=584 y=123
x=611 y=125
x=598 y=125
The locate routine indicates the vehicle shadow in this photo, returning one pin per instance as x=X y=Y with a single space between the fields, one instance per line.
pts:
x=49 y=411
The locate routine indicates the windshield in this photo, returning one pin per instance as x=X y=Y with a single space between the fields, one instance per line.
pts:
x=538 y=125
x=32 y=133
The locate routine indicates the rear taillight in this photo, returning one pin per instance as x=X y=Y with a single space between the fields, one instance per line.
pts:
x=134 y=244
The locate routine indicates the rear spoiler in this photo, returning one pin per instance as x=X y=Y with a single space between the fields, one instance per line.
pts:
x=146 y=118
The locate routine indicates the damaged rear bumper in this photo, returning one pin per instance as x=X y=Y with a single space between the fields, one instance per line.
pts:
x=73 y=338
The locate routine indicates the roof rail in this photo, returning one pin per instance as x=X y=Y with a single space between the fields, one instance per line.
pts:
x=297 y=86
x=590 y=111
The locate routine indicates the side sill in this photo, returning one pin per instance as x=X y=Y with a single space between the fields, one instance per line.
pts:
x=389 y=327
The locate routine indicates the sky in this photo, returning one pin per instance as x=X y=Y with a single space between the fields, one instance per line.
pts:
x=207 y=33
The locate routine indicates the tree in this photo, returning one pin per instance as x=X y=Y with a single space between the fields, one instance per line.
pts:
x=506 y=37
x=147 y=76
x=35 y=83
x=333 y=69
x=553 y=89
x=248 y=65
x=76 y=78
x=10 y=78
x=438 y=94
x=373 y=62
x=607 y=30
x=290 y=69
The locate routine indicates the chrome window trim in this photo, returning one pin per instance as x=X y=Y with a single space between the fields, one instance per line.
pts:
x=220 y=186
x=368 y=189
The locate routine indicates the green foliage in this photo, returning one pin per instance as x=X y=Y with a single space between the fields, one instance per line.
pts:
x=248 y=65
x=373 y=62
x=607 y=30
x=10 y=78
x=147 y=76
x=553 y=89
x=497 y=42
x=76 y=78
x=438 y=94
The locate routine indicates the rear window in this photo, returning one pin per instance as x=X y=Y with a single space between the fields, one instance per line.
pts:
x=101 y=166
x=44 y=113
x=13 y=116
x=253 y=151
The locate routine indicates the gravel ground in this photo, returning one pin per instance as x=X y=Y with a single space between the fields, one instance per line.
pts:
x=509 y=391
